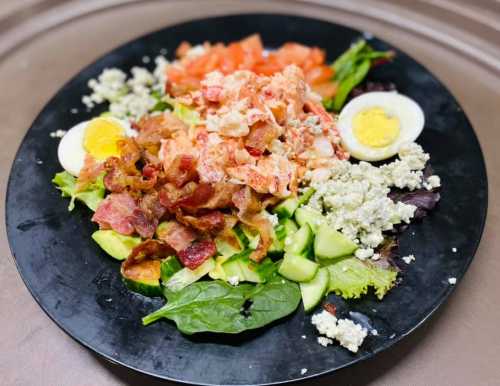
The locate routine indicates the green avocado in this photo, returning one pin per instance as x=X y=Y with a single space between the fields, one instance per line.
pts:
x=115 y=244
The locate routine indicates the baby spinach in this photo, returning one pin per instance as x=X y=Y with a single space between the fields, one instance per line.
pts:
x=215 y=306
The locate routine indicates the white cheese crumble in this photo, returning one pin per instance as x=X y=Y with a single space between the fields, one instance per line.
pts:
x=349 y=334
x=454 y=250
x=127 y=97
x=363 y=253
x=355 y=200
x=432 y=182
x=324 y=341
x=233 y=280
x=408 y=259
x=374 y=332
x=303 y=337
x=303 y=371
x=58 y=133
x=452 y=280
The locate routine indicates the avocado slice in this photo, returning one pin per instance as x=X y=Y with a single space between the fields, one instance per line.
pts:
x=115 y=244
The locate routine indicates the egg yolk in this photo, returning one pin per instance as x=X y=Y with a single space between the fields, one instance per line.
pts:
x=374 y=128
x=101 y=138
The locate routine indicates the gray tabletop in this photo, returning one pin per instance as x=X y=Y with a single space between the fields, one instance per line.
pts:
x=44 y=43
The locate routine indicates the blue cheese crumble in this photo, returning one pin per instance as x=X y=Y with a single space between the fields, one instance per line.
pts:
x=349 y=334
x=355 y=199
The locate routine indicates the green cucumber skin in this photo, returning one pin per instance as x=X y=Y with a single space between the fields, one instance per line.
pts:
x=300 y=240
x=297 y=268
x=169 y=266
x=315 y=290
x=331 y=244
x=146 y=289
x=306 y=196
x=286 y=208
x=311 y=217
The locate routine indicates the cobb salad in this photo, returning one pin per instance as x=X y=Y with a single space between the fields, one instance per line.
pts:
x=237 y=182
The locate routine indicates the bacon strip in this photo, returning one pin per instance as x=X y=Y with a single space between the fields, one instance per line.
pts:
x=115 y=212
x=199 y=251
x=178 y=236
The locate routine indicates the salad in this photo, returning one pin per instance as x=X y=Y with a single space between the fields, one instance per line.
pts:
x=237 y=182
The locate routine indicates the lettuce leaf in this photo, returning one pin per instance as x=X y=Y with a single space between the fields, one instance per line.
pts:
x=351 y=278
x=92 y=195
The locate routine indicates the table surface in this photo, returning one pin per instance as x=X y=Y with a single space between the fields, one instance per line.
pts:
x=43 y=43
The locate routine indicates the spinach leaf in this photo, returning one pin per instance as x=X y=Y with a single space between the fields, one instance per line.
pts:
x=215 y=306
x=92 y=195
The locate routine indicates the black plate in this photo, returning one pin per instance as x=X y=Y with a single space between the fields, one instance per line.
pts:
x=79 y=286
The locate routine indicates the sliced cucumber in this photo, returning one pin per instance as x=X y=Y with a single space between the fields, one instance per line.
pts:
x=230 y=243
x=245 y=269
x=309 y=216
x=314 y=290
x=277 y=247
x=330 y=244
x=286 y=208
x=297 y=268
x=290 y=226
x=115 y=244
x=251 y=235
x=143 y=277
x=304 y=197
x=300 y=240
x=186 y=276
x=168 y=267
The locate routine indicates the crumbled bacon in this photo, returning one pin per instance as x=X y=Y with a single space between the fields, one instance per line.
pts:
x=331 y=308
x=178 y=236
x=148 y=249
x=182 y=170
x=89 y=173
x=199 y=251
x=212 y=222
x=116 y=212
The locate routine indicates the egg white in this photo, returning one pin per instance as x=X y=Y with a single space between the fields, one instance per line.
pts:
x=71 y=153
x=409 y=113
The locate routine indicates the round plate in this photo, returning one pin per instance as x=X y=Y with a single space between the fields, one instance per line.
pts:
x=80 y=288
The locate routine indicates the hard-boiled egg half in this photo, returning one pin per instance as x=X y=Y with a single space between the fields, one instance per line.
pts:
x=373 y=126
x=98 y=138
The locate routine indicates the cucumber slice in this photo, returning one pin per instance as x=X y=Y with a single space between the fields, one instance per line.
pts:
x=314 y=290
x=286 y=208
x=280 y=231
x=330 y=244
x=251 y=235
x=297 y=268
x=168 y=267
x=143 y=277
x=304 y=197
x=186 y=276
x=290 y=226
x=278 y=245
x=115 y=244
x=245 y=269
x=300 y=240
x=309 y=216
